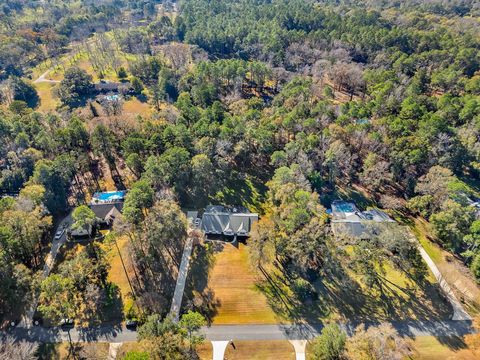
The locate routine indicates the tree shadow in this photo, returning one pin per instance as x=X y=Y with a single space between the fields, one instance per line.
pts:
x=240 y=189
x=337 y=295
x=199 y=296
x=113 y=307
x=47 y=351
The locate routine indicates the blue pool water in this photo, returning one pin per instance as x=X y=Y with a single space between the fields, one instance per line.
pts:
x=110 y=195
x=343 y=206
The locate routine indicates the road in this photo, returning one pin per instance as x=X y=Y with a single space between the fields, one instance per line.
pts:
x=27 y=318
x=239 y=332
x=41 y=78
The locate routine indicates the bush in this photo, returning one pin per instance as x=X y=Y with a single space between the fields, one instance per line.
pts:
x=303 y=289
x=122 y=73
x=330 y=345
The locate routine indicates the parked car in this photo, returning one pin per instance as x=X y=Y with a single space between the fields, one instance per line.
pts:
x=131 y=324
x=66 y=322
x=59 y=234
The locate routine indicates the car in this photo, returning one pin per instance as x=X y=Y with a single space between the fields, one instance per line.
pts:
x=66 y=322
x=131 y=324
x=59 y=234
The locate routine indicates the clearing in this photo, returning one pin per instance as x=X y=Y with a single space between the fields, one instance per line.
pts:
x=433 y=348
x=48 y=101
x=228 y=294
x=117 y=274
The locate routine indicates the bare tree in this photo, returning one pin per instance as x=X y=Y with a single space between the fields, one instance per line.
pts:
x=11 y=349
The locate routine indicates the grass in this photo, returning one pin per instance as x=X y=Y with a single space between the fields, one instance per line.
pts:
x=248 y=192
x=432 y=348
x=135 y=106
x=233 y=291
x=455 y=273
x=63 y=351
x=117 y=274
x=342 y=295
x=48 y=102
x=260 y=350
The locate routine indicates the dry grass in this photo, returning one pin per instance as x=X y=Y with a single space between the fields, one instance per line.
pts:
x=135 y=106
x=48 y=102
x=432 y=348
x=453 y=270
x=63 y=351
x=260 y=350
x=233 y=282
x=205 y=350
x=117 y=273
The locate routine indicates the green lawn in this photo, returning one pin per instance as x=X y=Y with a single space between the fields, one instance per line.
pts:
x=343 y=295
x=224 y=287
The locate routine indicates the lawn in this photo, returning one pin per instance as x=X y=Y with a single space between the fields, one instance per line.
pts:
x=246 y=191
x=228 y=294
x=135 y=106
x=117 y=273
x=342 y=295
x=48 y=101
x=234 y=293
x=432 y=348
x=455 y=273
x=260 y=350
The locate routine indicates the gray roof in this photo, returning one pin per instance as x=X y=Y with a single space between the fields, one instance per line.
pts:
x=107 y=211
x=218 y=220
x=112 y=86
x=82 y=231
x=349 y=221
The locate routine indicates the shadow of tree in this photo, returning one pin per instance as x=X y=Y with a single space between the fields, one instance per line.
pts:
x=47 y=351
x=198 y=295
x=337 y=295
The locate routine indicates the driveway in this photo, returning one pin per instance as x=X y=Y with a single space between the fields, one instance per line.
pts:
x=27 y=318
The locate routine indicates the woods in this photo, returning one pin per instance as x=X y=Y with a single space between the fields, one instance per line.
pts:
x=278 y=106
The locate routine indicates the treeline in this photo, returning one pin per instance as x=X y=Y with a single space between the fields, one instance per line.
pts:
x=31 y=32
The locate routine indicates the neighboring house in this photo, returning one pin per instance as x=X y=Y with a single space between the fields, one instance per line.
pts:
x=233 y=222
x=81 y=233
x=349 y=221
x=106 y=87
x=107 y=206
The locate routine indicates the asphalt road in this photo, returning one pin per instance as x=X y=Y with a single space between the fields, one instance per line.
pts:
x=238 y=332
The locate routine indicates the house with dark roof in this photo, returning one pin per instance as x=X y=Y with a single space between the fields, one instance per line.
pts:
x=107 y=206
x=233 y=222
x=107 y=212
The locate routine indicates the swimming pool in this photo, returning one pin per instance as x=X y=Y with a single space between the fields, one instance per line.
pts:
x=109 y=195
x=343 y=206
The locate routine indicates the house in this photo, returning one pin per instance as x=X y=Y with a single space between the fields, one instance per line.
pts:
x=113 y=87
x=81 y=233
x=219 y=220
x=107 y=206
x=349 y=221
x=106 y=213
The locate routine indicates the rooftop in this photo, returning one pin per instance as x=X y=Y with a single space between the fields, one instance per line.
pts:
x=348 y=220
x=221 y=220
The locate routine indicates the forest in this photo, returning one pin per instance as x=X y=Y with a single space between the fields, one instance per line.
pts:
x=278 y=105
